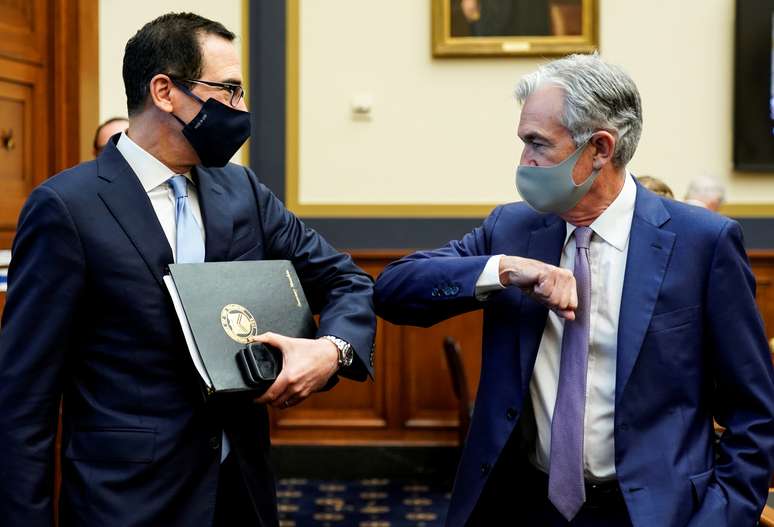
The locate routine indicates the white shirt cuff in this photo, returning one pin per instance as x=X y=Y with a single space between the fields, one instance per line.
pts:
x=489 y=279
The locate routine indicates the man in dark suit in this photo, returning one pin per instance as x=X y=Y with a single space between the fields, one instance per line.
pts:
x=617 y=324
x=87 y=316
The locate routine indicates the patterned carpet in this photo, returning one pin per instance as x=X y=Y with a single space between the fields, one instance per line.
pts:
x=361 y=503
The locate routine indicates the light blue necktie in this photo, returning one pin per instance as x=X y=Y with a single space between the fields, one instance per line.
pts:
x=189 y=246
x=566 y=488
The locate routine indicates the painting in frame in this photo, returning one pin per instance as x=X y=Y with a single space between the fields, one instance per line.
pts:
x=513 y=27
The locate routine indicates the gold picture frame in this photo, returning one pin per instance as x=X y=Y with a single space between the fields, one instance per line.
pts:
x=486 y=28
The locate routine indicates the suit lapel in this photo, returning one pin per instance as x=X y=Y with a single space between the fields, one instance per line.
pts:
x=545 y=244
x=129 y=204
x=649 y=250
x=216 y=215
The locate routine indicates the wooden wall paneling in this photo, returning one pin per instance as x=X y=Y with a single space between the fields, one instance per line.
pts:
x=393 y=372
x=6 y=239
x=23 y=30
x=412 y=402
x=344 y=411
x=763 y=267
x=348 y=411
x=428 y=400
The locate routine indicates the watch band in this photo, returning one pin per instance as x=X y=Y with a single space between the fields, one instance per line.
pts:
x=346 y=354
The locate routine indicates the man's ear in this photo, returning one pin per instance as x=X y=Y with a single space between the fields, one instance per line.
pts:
x=604 y=144
x=161 y=93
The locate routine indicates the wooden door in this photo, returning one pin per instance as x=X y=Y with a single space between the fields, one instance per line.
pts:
x=23 y=30
x=48 y=96
x=48 y=103
x=24 y=106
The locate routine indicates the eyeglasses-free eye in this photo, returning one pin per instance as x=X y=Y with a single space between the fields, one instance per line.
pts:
x=237 y=91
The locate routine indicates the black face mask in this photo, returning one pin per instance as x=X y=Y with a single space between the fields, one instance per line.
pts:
x=217 y=131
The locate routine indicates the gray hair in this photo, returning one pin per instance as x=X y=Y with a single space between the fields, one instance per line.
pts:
x=597 y=96
x=706 y=188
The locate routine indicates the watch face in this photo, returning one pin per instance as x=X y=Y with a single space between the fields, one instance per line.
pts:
x=345 y=350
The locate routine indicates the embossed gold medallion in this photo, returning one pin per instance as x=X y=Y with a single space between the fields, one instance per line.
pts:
x=238 y=323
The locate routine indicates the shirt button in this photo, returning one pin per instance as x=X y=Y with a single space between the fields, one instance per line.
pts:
x=511 y=414
x=485 y=468
x=214 y=443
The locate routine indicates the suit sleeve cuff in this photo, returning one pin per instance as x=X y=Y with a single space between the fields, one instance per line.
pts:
x=489 y=279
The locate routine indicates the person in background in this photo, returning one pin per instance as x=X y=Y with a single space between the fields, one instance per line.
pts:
x=88 y=321
x=506 y=17
x=106 y=130
x=706 y=192
x=656 y=185
x=617 y=324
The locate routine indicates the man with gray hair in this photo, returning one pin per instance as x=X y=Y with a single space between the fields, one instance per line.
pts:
x=706 y=192
x=617 y=325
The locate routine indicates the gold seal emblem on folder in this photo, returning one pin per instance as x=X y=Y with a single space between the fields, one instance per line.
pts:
x=238 y=323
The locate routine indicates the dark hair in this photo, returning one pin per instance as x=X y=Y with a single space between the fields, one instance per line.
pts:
x=103 y=125
x=169 y=44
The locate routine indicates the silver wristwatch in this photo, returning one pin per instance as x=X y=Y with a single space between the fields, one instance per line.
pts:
x=346 y=353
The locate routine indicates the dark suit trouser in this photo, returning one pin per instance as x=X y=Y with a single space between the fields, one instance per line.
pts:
x=233 y=505
x=518 y=491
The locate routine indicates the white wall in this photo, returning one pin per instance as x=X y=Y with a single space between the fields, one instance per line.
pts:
x=443 y=130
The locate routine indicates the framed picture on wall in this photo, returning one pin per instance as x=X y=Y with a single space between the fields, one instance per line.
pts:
x=513 y=27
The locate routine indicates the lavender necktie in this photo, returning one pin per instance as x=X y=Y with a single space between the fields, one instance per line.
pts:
x=566 y=488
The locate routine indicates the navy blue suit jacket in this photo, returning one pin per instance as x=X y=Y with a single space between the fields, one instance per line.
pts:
x=87 y=316
x=691 y=347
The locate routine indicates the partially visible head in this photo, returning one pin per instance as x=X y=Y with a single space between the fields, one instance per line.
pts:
x=574 y=101
x=596 y=96
x=706 y=191
x=107 y=130
x=170 y=45
x=656 y=185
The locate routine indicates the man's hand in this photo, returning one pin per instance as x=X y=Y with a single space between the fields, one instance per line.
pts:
x=307 y=364
x=552 y=286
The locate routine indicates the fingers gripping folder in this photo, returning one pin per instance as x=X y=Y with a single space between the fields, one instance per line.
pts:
x=223 y=306
x=260 y=364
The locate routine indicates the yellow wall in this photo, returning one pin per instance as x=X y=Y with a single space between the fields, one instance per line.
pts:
x=443 y=130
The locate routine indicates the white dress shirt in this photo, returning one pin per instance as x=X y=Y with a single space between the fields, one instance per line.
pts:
x=607 y=258
x=154 y=177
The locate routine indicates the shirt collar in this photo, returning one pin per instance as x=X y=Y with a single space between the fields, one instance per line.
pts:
x=150 y=171
x=615 y=222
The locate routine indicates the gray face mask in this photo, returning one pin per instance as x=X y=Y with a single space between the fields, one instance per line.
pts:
x=552 y=189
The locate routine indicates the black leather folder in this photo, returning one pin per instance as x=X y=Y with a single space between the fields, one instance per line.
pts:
x=221 y=304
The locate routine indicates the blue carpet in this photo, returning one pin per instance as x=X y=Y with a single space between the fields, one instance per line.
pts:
x=361 y=503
